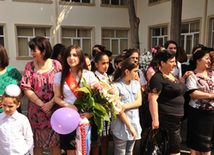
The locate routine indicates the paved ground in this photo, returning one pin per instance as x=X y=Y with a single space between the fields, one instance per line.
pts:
x=184 y=150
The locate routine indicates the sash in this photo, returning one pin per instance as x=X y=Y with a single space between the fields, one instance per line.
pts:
x=72 y=84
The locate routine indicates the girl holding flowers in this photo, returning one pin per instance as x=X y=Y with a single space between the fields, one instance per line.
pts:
x=66 y=82
x=102 y=64
x=126 y=128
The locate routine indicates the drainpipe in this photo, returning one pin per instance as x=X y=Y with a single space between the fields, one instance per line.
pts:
x=204 y=22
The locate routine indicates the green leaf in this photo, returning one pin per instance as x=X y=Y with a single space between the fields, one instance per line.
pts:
x=91 y=102
x=84 y=89
x=99 y=122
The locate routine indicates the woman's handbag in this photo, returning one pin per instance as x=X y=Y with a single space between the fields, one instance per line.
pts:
x=154 y=142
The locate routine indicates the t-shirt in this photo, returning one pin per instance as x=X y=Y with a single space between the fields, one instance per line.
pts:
x=203 y=84
x=170 y=100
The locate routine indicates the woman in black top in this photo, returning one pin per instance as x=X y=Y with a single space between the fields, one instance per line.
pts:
x=166 y=101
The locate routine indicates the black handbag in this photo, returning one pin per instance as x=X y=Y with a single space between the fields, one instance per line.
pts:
x=154 y=142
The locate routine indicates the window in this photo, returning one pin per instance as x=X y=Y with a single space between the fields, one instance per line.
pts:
x=189 y=35
x=2 y=35
x=78 y=1
x=24 y=34
x=115 y=2
x=36 y=1
x=212 y=34
x=159 y=36
x=115 y=40
x=80 y=37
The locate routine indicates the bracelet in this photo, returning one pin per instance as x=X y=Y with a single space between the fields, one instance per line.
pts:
x=36 y=100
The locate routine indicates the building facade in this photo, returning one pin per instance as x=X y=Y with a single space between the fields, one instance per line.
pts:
x=106 y=22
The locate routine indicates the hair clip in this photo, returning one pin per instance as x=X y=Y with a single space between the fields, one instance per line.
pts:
x=154 y=50
x=119 y=67
x=13 y=90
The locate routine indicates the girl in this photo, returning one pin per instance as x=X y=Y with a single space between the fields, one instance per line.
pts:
x=15 y=131
x=66 y=82
x=102 y=63
x=127 y=128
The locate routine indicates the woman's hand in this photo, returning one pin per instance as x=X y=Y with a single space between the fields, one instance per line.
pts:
x=86 y=114
x=47 y=106
x=155 y=124
x=123 y=108
x=133 y=132
x=185 y=76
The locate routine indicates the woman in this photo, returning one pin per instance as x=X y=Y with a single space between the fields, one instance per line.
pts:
x=200 y=119
x=66 y=82
x=58 y=51
x=8 y=75
x=172 y=46
x=37 y=84
x=166 y=100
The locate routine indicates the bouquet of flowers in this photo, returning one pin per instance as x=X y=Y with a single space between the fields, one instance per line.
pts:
x=144 y=60
x=99 y=99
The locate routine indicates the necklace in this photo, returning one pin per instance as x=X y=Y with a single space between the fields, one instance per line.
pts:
x=44 y=67
x=169 y=76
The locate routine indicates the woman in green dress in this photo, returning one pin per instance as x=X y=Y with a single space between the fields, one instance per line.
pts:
x=8 y=75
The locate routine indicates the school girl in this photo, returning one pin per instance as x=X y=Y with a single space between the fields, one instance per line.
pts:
x=74 y=68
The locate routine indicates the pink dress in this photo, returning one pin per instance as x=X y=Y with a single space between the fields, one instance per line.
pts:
x=42 y=85
x=149 y=70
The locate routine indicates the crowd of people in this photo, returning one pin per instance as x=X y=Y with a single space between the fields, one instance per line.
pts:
x=173 y=87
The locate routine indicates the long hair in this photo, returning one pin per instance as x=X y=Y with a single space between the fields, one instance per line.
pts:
x=129 y=64
x=4 y=59
x=65 y=66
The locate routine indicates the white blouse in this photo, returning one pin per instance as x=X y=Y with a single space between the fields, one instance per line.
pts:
x=16 y=136
x=68 y=94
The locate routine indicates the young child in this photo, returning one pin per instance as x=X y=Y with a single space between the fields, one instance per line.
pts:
x=126 y=128
x=15 y=130
x=102 y=64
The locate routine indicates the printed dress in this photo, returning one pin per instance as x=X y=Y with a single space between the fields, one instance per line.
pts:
x=42 y=85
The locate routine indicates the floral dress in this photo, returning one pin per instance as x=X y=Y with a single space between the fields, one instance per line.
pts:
x=42 y=85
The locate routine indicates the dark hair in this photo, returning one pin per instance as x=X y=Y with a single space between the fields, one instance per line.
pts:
x=99 y=56
x=130 y=52
x=170 y=42
x=65 y=66
x=94 y=51
x=58 y=49
x=120 y=71
x=197 y=56
x=4 y=60
x=118 y=59
x=164 y=56
x=196 y=47
x=43 y=44
x=182 y=56
x=109 y=53
x=154 y=63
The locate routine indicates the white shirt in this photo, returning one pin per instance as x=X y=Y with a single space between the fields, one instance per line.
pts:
x=16 y=137
x=142 y=78
x=102 y=77
x=68 y=94
x=177 y=72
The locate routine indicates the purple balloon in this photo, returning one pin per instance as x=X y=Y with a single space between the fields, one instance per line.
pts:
x=65 y=120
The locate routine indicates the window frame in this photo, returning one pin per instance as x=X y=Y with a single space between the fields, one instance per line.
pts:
x=190 y=34
x=78 y=38
x=157 y=2
x=162 y=36
x=29 y=57
x=3 y=36
x=212 y=32
x=112 y=5
x=116 y=38
x=35 y=1
x=92 y=3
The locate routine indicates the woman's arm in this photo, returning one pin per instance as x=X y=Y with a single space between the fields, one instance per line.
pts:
x=185 y=76
x=153 y=108
x=201 y=95
x=33 y=97
x=58 y=99
x=134 y=104
x=125 y=120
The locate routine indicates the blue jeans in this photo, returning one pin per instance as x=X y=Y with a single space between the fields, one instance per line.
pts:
x=122 y=147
